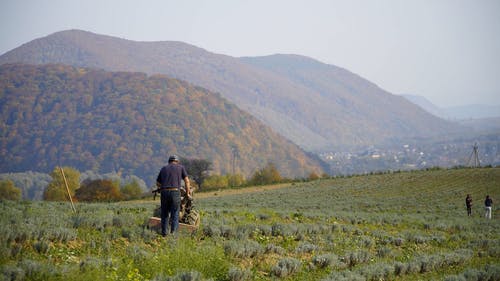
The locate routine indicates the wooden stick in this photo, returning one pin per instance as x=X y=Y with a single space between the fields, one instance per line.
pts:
x=67 y=189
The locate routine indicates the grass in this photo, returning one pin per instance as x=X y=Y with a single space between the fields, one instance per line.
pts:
x=400 y=226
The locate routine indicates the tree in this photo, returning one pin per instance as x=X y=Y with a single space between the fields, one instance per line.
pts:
x=56 y=190
x=98 y=191
x=131 y=190
x=216 y=182
x=313 y=176
x=236 y=180
x=9 y=191
x=198 y=169
x=267 y=175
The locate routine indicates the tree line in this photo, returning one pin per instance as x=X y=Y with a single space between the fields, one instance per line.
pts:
x=98 y=188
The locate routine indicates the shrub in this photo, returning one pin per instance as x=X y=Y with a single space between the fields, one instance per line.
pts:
x=8 y=191
x=273 y=249
x=378 y=271
x=399 y=268
x=306 y=248
x=247 y=249
x=355 y=258
x=42 y=247
x=236 y=274
x=89 y=264
x=211 y=231
x=226 y=231
x=455 y=278
x=324 y=261
x=98 y=191
x=383 y=252
x=398 y=241
x=215 y=182
x=345 y=276
x=286 y=267
x=188 y=276
x=313 y=176
x=267 y=175
x=131 y=190
x=12 y=273
x=35 y=270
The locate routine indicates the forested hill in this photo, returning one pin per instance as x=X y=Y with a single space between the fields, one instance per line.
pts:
x=129 y=122
x=316 y=105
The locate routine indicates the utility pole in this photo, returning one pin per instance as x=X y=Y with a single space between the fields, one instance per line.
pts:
x=235 y=155
x=474 y=157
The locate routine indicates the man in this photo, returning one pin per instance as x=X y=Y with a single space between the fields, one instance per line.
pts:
x=169 y=185
x=468 y=204
x=487 y=204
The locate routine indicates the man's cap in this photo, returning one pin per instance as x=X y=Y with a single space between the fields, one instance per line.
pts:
x=173 y=158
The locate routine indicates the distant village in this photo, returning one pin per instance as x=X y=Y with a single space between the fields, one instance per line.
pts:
x=413 y=156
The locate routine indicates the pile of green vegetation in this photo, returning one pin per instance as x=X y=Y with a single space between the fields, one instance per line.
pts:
x=400 y=226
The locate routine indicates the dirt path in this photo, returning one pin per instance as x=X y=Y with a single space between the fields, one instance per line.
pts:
x=226 y=192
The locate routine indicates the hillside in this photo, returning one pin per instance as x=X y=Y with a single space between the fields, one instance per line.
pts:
x=128 y=122
x=315 y=105
x=359 y=112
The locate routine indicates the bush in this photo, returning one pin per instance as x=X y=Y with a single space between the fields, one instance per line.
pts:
x=98 y=191
x=378 y=271
x=345 y=276
x=236 y=274
x=42 y=247
x=324 y=261
x=354 y=258
x=131 y=190
x=12 y=273
x=306 y=248
x=267 y=175
x=8 y=191
x=383 y=252
x=273 y=249
x=247 y=249
x=188 y=276
x=286 y=267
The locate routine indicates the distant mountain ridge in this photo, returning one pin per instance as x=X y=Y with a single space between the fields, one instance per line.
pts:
x=129 y=122
x=315 y=105
x=473 y=111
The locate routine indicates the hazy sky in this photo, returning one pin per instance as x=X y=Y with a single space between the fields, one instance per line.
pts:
x=445 y=50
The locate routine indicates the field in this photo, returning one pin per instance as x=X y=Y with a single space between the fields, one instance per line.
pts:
x=399 y=226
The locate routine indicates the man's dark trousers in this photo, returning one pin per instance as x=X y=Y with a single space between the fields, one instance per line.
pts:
x=170 y=207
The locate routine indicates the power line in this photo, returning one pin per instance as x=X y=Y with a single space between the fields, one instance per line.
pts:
x=474 y=157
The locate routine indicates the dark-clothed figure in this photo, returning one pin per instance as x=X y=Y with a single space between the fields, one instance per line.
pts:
x=169 y=183
x=468 y=203
x=488 y=202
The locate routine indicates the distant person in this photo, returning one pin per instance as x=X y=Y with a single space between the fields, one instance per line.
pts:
x=487 y=204
x=468 y=203
x=169 y=184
